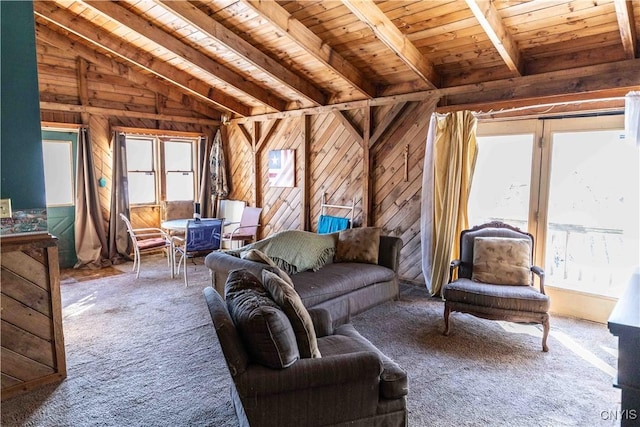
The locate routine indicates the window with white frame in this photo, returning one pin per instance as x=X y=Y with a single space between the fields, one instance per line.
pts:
x=161 y=169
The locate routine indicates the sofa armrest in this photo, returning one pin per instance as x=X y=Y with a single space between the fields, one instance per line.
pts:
x=322 y=322
x=221 y=263
x=389 y=252
x=341 y=370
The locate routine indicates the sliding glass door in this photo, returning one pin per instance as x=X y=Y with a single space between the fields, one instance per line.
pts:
x=572 y=183
x=592 y=209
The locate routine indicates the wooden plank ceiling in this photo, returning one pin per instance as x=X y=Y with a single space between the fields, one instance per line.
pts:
x=250 y=58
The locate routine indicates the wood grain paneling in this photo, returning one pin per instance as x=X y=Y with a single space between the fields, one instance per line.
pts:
x=32 y=342
x=336 y=168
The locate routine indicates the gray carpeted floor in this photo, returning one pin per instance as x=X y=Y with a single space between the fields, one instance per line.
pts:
x=143 y=353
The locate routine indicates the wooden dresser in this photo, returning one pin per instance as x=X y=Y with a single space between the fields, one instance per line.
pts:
x=32 y=342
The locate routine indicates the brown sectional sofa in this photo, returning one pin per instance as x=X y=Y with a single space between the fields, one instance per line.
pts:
x=342 y=288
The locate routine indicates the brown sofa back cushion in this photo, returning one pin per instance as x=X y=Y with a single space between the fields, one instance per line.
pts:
x=265 y=329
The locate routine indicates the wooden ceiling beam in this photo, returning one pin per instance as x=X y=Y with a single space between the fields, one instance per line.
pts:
x=386 y=31
x=84 y=109
x=65 y=44
x=624 y=13
x=388 y=119
x=208 y=25
x=594 y=78
x=349 y=126
x=294 y=29
x=150 y=31
x=592 y=82
x=105 y=41
x=491 y=22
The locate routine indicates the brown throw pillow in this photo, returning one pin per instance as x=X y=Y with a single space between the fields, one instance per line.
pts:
x=259 y=256
x=289 y=300
x=358 y=245
x=501 y=261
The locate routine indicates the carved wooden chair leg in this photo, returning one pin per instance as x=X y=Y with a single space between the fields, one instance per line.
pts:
x=545 y=334
x=447 y=311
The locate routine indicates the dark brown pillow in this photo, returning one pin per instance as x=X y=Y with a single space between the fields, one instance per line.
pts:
x=289 y=301
x=265 y=329
x=358 y=245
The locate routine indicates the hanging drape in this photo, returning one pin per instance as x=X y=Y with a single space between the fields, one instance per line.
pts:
x=454 y=155
x=632 y=117
x=119 y=242
x=426 y=208
x=219 y=187
x=204 y=198
x=91 y=245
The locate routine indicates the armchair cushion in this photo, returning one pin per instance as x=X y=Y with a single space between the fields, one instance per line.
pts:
x=519 y=298
x=288 y=299
x=264 y=328
x=502 y=261
x=358 y=245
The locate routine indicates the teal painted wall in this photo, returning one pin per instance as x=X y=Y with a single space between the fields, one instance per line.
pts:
x=22 y=173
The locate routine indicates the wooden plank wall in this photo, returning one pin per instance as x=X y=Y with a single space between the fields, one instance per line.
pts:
x=62 y=75
x=32 y=349
x=335 y=163
x=330 y=157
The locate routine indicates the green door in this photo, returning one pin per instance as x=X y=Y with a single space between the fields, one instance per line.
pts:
x=59 y=152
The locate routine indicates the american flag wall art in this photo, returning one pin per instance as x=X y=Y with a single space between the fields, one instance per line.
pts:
x=282 y=168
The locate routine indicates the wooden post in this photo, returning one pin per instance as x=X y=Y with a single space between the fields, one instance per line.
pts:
x=367 y=187
x=305 y=214
x=257 y=192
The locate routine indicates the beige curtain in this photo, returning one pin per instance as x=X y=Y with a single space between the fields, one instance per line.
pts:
x=204 y=192
x=90 y=238
x=454 y=159
x=119 y=242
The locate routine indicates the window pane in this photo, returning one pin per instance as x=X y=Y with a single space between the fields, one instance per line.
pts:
x=592 y=231
x=141 y=187
x=139 y=154
x=177 y=156
x=179 y=186
x=501 y=181
x=58 y=172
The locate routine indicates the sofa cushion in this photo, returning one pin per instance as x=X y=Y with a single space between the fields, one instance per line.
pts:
x=289 y=301
x=265 y=329
x=358 y=245
x=338 y=279
x=501 y=261
x=259 y=256
x=518 y=298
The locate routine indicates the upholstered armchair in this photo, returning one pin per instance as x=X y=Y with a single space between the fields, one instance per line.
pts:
x=495 y=278
x=342 y=379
